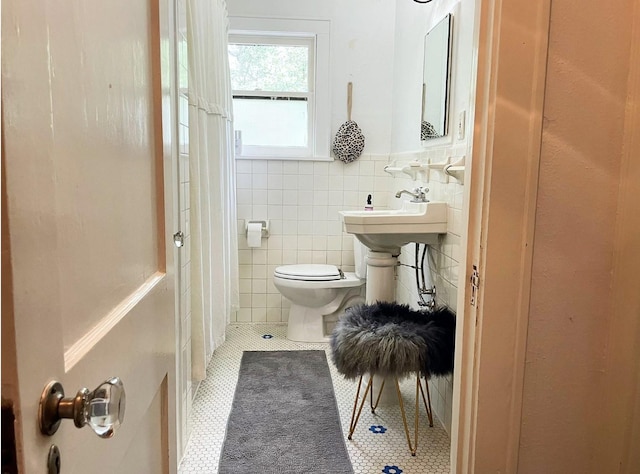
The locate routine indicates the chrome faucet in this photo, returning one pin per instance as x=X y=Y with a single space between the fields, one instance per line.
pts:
x=419 y=194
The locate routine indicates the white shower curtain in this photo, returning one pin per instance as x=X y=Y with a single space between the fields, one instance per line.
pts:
x=214 y=241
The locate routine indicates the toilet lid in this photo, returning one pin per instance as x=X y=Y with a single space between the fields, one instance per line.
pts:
x=309 y=272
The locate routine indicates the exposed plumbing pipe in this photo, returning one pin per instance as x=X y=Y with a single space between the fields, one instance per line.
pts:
x=422 y=302
x=424 y=252
x=423 y=288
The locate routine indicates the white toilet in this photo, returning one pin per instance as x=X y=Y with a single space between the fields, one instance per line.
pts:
x=319 y=294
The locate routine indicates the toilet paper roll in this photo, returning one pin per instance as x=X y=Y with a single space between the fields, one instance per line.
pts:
x=254 y=234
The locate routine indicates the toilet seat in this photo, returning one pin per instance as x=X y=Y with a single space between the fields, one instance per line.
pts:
x=309 y=272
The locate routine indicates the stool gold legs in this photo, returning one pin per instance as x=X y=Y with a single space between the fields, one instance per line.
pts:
x=374 y=406
x=419 y=394
x=354 y=417
x=427 y=401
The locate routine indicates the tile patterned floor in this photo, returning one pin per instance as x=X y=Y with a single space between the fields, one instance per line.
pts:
x=378 y=445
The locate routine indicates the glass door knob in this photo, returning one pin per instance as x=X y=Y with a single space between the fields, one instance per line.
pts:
x=102 y=409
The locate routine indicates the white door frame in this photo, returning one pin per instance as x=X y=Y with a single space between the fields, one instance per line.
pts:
x=182 y=410
x=168 y=22
x=488 y=382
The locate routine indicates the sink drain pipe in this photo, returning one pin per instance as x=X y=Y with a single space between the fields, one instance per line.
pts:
x=421 y=282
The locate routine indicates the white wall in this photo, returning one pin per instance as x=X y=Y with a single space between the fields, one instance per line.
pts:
x=411 y=25
x=362 y=48
x=413 y=21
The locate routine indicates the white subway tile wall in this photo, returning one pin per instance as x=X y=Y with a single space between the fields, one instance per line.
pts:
x=301 y=201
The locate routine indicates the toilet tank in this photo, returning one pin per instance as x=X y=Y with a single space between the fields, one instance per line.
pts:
x=360 y=258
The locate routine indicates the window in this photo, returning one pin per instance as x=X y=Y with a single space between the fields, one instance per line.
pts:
x=279 y=81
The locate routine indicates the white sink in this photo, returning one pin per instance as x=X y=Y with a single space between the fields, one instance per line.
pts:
x=388 y=230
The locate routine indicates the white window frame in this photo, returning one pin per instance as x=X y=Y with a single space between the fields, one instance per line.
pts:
x=307 y=42
x=276 y=31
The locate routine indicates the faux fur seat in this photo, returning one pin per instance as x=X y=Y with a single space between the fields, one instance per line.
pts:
x=390 y=339
x=393 y=341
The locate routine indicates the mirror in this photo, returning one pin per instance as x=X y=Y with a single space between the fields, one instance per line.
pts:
x=435 y=80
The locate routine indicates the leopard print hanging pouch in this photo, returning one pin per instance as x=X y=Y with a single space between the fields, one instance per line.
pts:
x=349 y=140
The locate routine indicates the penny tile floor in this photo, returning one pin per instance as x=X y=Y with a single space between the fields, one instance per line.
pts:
x=379 y=444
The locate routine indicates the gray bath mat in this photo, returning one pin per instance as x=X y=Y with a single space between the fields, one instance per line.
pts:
x=284 y=418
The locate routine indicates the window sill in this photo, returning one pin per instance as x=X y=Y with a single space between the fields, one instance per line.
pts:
x=285 y=158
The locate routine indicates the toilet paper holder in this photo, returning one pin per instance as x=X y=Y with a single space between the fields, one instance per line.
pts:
x=265 y=227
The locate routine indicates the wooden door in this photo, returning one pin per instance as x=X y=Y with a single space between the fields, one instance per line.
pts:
x=501 y=190
x=87 y=91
